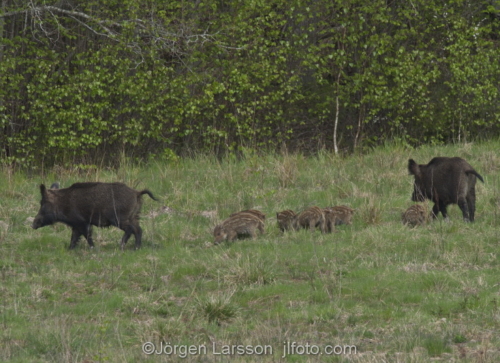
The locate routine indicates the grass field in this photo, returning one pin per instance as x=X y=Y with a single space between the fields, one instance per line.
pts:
x=374 y=291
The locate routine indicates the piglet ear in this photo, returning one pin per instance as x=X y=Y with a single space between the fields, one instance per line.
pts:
x=413 y=168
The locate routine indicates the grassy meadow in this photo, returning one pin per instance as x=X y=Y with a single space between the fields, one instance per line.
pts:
x=373 y=291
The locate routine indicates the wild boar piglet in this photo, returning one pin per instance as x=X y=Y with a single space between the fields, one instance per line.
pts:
x=310 y=218
x=239 y=225
x=415 y=215
x=340 y=214
x=285 y=220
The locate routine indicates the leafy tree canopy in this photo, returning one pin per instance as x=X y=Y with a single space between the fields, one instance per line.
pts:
x=157 y=79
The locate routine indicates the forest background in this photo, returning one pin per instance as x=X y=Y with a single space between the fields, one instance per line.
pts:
x=91 y=81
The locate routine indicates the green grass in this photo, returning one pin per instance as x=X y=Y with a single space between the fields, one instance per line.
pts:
x=396 y=293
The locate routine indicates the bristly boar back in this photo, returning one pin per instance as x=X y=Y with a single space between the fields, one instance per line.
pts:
x=238 y=225
x=84 y=205
x=255 y=212
x=446 y=181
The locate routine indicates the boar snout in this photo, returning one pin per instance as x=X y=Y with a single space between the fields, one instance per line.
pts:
x=37 y=223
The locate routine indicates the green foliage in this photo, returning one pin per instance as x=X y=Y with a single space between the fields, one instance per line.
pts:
x=160 y=79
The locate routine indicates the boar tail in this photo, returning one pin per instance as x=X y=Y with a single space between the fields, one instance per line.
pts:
x=145 y=191
x=473 y=172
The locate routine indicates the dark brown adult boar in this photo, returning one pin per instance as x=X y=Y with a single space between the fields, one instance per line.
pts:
x=84 y=205
x=446 y=181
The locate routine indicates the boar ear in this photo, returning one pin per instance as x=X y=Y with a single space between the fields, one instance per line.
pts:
x=55 y=185
x=44 y=192
x=413 y=168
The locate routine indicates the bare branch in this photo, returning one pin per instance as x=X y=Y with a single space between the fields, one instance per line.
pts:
x=149 y=32
x=37 y=11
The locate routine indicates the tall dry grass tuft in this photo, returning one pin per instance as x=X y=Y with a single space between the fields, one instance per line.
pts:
x=371 y=213
x=287 y=170
x=489 y=163
x=164 y=330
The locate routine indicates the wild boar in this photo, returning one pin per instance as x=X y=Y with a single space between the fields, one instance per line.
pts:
x=255 y=212
x=343 y=214
x=285 y=220
x=310 y=218
x=84 y=205
x=415 y=215
x=331 y=220
x=446 y=181
x=238 y=226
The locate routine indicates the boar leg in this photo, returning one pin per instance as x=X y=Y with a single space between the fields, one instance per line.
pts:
x=90 y=241
x=471 y=203
x=131 y=230
x=322 y=226
x=75 y=236
x=330 y=227
x=442 y=209
x=439 y=207
x=330 y=222
x=317 y=223
x=435 y=211
x=79 y=231
x=88 y=235
x=232 y=236
x=138 y=237
x=312 y=225
x=462 y=203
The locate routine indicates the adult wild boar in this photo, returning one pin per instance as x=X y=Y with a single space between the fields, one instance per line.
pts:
x=446 y=181
x=84 y=205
